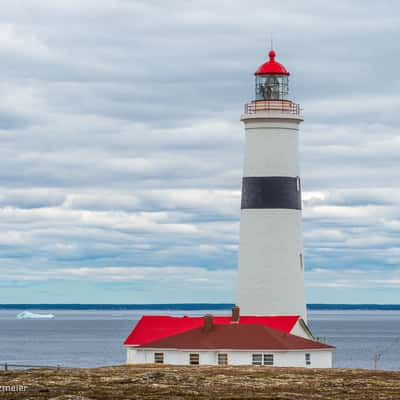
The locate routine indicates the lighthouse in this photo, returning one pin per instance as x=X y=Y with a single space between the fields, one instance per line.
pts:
x=269 y=326
x=271 y=262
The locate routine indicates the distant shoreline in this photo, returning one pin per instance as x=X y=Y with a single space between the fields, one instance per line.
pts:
x=187 y=307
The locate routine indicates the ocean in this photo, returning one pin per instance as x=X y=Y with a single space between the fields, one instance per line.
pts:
x=82 y=336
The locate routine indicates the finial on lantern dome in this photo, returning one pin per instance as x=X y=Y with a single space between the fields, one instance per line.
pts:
x=272 y=55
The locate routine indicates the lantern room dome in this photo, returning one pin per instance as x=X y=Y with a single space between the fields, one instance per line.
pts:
x=271 y=67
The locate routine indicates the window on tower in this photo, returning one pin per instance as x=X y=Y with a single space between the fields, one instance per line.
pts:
x=298 y=183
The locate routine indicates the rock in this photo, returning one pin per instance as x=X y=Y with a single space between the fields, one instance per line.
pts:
x=152 y=376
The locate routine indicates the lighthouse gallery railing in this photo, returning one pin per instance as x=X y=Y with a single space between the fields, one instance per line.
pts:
x=283 y=106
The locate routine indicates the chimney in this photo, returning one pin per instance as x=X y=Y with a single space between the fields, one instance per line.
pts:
x=208 y=323
x=235 y=315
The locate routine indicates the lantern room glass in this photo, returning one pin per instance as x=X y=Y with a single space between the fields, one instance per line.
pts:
x=272 y=87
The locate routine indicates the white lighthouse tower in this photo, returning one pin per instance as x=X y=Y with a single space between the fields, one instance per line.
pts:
x=271 y=328
x=271 y=267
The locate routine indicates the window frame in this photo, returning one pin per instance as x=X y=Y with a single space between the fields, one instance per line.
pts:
x=192 y=358
x=223 y=356
x=158 y=358
x=253 y=357
x=279 y=83
x=268 y=359
x=307 y=357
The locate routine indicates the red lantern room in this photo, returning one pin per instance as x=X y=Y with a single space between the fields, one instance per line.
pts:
x=272 y=89
x=272 y=80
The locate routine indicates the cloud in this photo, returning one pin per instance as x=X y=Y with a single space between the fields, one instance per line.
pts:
x=353 y=278
x=121 y=147
x=121 y=274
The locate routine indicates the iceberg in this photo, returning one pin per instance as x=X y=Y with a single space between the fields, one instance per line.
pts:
x=30 y=315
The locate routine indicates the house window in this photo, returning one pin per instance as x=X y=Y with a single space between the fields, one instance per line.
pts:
x=159 y=358
x=308 y=359
x=301 y=261
x=194 y=359
x=268 y=359
x=257 y=359
x=222 y=359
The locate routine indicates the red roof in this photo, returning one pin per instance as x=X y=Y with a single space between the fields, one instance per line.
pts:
x=272 y=67
x=155 y=327
x=237 y=336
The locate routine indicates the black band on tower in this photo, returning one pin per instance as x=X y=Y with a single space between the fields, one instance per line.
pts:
x=271 y=192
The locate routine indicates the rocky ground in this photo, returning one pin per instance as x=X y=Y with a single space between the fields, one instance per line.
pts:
x=199 y=382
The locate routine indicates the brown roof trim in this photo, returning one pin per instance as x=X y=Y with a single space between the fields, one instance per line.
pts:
x=237 y=337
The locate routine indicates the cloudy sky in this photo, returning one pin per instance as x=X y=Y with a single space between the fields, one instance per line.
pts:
x=121 y=147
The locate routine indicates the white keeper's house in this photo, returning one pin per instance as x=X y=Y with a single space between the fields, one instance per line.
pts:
x=270 y=328
x=257 y=340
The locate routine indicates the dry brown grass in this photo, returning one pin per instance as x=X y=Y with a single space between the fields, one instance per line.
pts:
x=165 y=382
